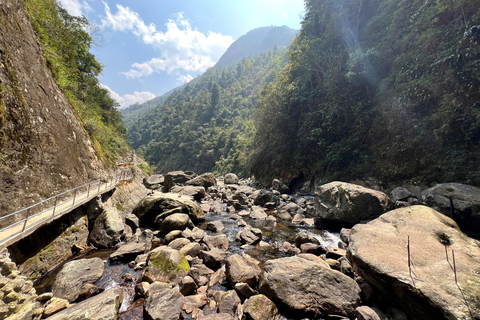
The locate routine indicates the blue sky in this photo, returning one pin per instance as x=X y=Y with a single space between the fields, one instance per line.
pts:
x=149 y=47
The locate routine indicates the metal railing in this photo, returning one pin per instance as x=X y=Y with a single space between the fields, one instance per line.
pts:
x=37 y=213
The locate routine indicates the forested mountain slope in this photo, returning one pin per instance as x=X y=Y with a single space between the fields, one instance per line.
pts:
x=389 y=89
x=207 y=125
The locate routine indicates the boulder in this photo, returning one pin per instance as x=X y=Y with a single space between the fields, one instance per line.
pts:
x=215 y=226
x=197 y=193
x=179 y=243
x=230 y=178
x=205 y=180
x=108 y=229
x=132 y=221
x=367 y=313
x=304 y=237
x=197 y=234
x=162 y=304
x=192 y=249
x=244 y=290
x=219 y=241
x=127 y=252
x=258 y=213
x=100 y=307
x=187 y=285
x=249 y=235
x=153 y=182
x=55 y=305
x=428 y=288
x=176 y=221
x=89 y=290
x=229 y=302
x=74 y=275
x=348 y=204
x=459 y=201
x=400 y=194
x=280 y=186
x=307 y=289
x=259 y=307
x=172 y=235
x=194 y=302
x=157 y=206
x=262 y=197
x=242 y=268
x=166 y=265
x=213 y=258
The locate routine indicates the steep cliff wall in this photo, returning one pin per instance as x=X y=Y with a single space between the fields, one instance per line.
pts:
x=44 y=148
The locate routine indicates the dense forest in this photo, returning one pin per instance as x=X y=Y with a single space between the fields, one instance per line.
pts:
x=66 y=41
x=207 y=124
x=376 y=88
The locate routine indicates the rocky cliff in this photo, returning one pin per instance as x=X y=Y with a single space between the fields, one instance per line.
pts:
x=44 y=148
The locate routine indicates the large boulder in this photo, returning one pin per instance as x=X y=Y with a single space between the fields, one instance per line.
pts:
x=427 y=287
x=163 y=304
x=176 y=221
x=231 y=178
x=459 y=201
x=154 y=208
x=74 y=275
x=108 y=229
x=166 y=265
x=308 y=289
x=205 y=180
x=100 y=307
x=197 y=193
x=346 y=203
x=154 y=182
x=242 y=269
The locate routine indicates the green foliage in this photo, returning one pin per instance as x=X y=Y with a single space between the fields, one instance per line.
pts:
x=381 y=88
x=66 y=45
x=146 y=170
x=206 y=125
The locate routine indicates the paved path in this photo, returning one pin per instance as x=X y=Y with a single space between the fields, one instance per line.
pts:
x=21 y=229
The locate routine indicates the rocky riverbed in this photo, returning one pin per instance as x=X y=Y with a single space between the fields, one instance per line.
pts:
x=200 y=248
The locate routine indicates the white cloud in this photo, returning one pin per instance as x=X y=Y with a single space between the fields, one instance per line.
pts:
x=185 y=78
x=180 y=46
x=129 y=99
x=75 y=7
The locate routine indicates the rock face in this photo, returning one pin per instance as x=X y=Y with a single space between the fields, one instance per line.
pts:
x=231 y=178
x=378 y=252
x=166 y=265
x=349 y=204
x=157 y=206
x=306 y=288
x=459 y=201
x=100 y=307
x=74 y=275
x=108 y=229
x=205 y=180
x=163 y=304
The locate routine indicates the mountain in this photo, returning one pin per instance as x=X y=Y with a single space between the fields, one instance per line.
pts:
x=257 y=41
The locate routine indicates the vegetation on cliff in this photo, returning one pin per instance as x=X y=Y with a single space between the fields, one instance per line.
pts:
x=66 y=43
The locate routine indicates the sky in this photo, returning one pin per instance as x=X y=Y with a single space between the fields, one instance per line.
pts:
x=149 y=47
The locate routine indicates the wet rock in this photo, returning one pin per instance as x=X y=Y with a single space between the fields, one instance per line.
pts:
x=176 y=221
x=258 y=213
x=241 y=223
x=100 y=307
x=89 y=290
x=127 y=252
x=192 y=249
x=205 y=180
x=163 y=304
x=157 y=206
x=346 y=203
x=187 y=286
x=400 y=194
x=197 y=193
x=459 y=201
x=304 y=237
x=298 y=218
x=280 y=186
x=215 y=226
x=235 y=217
x=306 y=288
x=192 y=302
x=179 y=243
x=108 y=229
x=154 y=182
x=55 y=305
x=312 y=248
x=219 y=241
x=377 y=251
x=283 y=215
x=249 y=235
x=259 y=307
x=229 y=303
x=142 y=288
x=262 y=197
x=242 y=268
x=167 y=265
x=213 y=258
x=230 y=178
x=291 y=207
x=74 y=275
x=345 y=235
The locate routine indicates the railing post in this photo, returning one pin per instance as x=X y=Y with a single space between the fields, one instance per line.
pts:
x=88 y=191
x=74 y=196
x=55 y=206
x=26 y=219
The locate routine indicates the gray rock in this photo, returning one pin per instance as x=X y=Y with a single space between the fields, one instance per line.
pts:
x=258 y=213
x=345 y=235
x=108 y=229
x=304 y=237
x=249 y=235
x=197 y=234
x=132 y=221
x=280 y=186
x=345 y=203
x=74 y=275
x=172 y=235
x=187 y=285
x=230 y=178
x=307 y=288
x=176 y=221
x=192 y=249
x=378 y=252
x=205 y=180
x=215 y=226
x=219 y=241
x=179 y=243
x=197 y=193
x=213 y=258
x=229 y=303
x=400 y=194
x=100 y=307
x=163 y=304
x=154 y=182
x=262 y=197
x=128 y=252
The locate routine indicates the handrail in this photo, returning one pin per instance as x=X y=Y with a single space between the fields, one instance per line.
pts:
x=83 y=197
